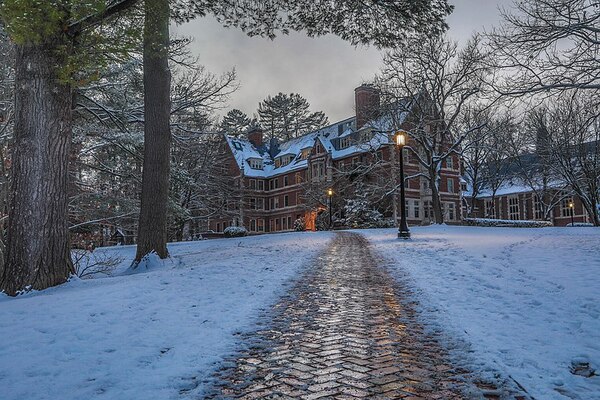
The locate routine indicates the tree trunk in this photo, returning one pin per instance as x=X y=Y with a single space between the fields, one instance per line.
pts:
x=152 y=228
x=436 y=202
x=38 y=248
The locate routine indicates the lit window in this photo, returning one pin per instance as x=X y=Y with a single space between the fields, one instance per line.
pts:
x=449 y=163
x=565 y=209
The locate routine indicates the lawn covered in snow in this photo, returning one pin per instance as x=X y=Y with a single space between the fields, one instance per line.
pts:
x=526 y=300
x=148 y=335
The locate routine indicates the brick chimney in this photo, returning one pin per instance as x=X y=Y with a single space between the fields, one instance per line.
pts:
x=366 y=102
x=255 y=136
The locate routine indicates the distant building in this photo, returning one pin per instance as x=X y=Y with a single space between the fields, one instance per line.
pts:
x=515 y=199
x=280 y=183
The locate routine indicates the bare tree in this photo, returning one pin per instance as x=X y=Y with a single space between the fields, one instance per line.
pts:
x=548 y=45
x=574 y=147
x=434 y=81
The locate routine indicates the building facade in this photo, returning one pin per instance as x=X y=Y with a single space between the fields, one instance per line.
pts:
x=281 y=183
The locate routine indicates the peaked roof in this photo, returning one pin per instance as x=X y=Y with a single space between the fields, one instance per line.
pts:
x=330 y=136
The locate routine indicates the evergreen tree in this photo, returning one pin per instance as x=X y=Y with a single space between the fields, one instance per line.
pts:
x=288 y=116
x=235 y=123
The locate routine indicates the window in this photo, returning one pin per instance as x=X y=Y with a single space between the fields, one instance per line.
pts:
x=285 y=181
x=252 y=225
x=261 y=225
x=304 y=154
x=406 y=208
x=276 y=202
x=490 y=210
x=406 y=155
x=513 y=208
x=450 y=185
x=565 y=210
x=286 y=201
x=261 y=185
x=290 y=226
x=260 y=203
x=379 y=155
x=345 y=142
x=252 y=183
x=255 y=163
x=354 y=161
x=218 y=227
x=428 y=209
x=537 y=208
x=450 y=162
x=298 y=178
x=450 y=211
x=416 y=209
x=253 y=204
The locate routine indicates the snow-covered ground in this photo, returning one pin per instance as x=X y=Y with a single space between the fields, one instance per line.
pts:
x=148 y=335
x=526 y=300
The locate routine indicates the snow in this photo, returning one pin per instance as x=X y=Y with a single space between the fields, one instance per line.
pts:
x=524 y=301
x=146 y=335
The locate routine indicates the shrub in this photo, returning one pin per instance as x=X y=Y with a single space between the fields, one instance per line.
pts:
x=506 y=223
x=89 y=263
x=235 y=231
x=300 y=225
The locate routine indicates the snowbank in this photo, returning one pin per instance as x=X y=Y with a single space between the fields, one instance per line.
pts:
x=147 y=335
x=526 y=300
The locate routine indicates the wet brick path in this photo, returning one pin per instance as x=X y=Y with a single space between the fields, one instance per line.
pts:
x=343 y=332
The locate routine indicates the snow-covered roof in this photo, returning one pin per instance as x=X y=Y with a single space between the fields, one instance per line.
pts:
x=370 y=138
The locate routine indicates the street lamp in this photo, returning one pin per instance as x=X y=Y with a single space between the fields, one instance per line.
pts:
x=403 y=232
x=572 y=207
x=330 y=198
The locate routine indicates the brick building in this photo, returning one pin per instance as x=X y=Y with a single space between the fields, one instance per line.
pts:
x=280 y=183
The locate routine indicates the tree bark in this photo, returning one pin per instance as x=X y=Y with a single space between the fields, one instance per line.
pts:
x=38 y=248
x=152 y=228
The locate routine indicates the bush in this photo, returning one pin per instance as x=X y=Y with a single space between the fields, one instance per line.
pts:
x=581 y=224
x=89 y=263
x=506 y=223
x=235 y=231
x=359 y=214
x=300 y=225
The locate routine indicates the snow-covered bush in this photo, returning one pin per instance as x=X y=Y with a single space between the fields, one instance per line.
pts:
x=359 y=214
x=506 y=223
x=300 y=225
x=235 y=231
x=581 y=224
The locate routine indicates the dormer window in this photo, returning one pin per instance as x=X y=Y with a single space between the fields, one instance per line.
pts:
x=255 y=163
x=305 y=153
x=283 y=160
x=345 y=142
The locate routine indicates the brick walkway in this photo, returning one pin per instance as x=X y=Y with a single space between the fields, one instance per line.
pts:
x=343 y=332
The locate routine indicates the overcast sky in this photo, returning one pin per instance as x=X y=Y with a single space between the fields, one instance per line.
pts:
x=324 y=70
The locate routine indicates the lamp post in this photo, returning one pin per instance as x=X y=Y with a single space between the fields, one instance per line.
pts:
x=330 y=198
x=572 y=208
x=403 y=232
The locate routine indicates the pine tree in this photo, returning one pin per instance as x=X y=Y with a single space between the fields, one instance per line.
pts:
x=235 y=123
x=288 y=116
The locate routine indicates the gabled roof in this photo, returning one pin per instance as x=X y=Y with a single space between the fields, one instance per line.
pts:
x=369 y=138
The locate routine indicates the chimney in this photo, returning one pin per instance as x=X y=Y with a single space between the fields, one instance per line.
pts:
x=366 y=102
x=255 y=136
